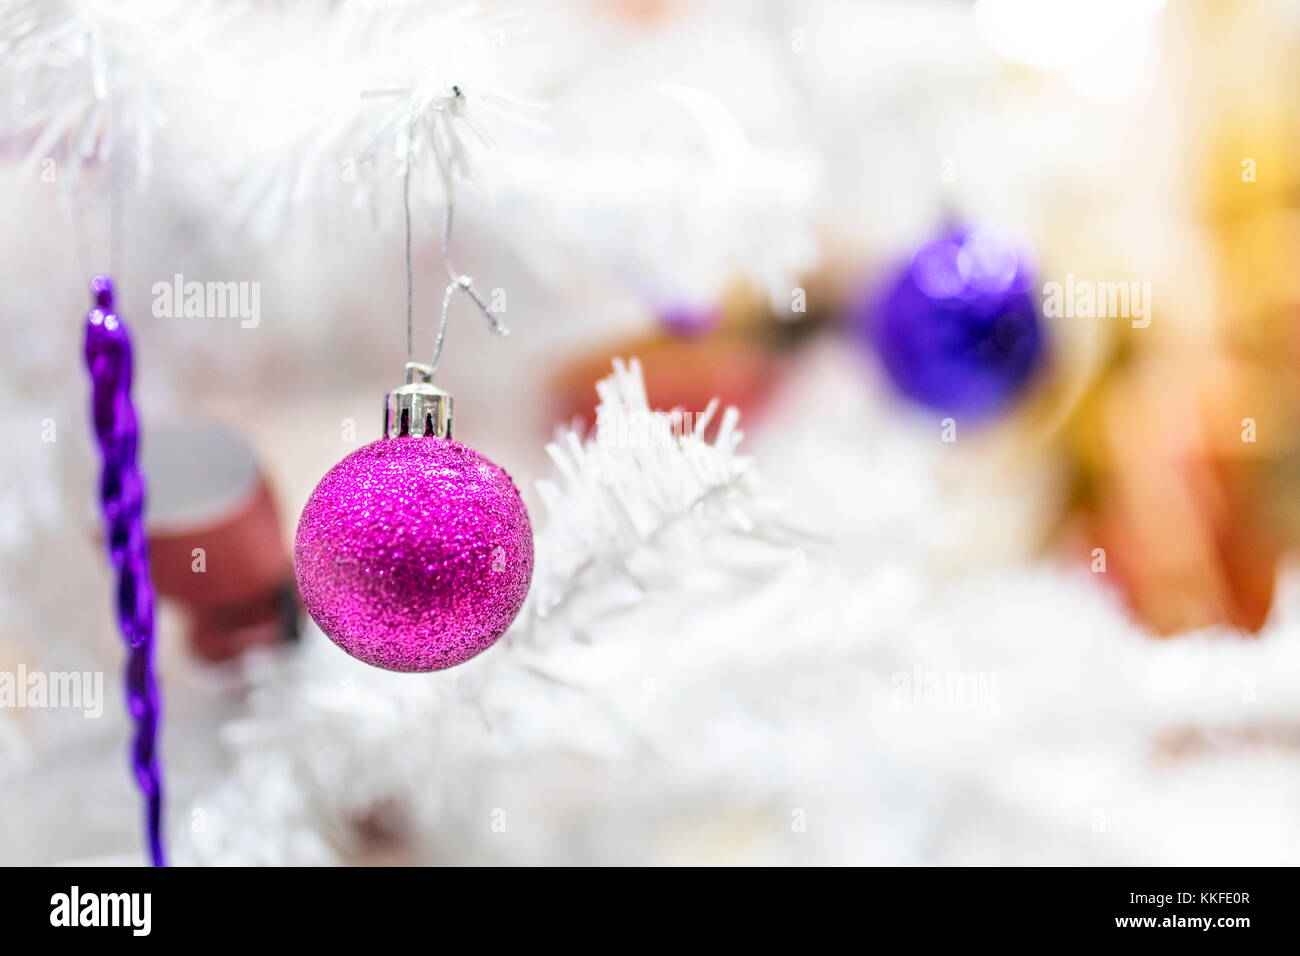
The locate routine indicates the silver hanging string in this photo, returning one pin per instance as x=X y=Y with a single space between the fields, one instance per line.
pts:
x=79 y=234
x=77 y=206
x=410 y=280
x=115 y=222
x=457 y=282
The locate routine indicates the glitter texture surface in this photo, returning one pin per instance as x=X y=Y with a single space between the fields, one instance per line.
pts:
x=414 y=554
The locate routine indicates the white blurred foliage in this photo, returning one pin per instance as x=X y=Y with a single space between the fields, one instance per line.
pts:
x=682 y=157
x=77 y=77
x=254 y=108
x=669 y=190
x=253 y=114
x=314 y=121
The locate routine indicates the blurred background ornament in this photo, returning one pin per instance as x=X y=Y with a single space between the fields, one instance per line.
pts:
x=959 y=329
x=688 y=321
x=215 y=539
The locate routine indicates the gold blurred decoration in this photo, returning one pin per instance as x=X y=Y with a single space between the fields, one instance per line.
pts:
x=1187 y=465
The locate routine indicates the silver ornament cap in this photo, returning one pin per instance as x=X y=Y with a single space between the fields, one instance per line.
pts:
x=418 y=408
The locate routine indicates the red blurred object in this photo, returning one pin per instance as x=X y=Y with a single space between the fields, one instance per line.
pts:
x=215 y=543
x=741 y=361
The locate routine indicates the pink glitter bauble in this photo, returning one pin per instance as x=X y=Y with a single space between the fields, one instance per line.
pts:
x=414 y=554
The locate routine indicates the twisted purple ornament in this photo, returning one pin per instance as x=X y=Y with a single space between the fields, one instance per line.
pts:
x=121 y=498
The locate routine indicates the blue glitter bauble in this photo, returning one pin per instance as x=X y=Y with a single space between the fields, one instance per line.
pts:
x=959 y=330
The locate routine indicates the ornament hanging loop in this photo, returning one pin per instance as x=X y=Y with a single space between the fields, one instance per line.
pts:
x=462 y=283
x=448 y=153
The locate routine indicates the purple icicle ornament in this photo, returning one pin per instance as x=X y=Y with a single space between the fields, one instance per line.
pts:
x=121 y=498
